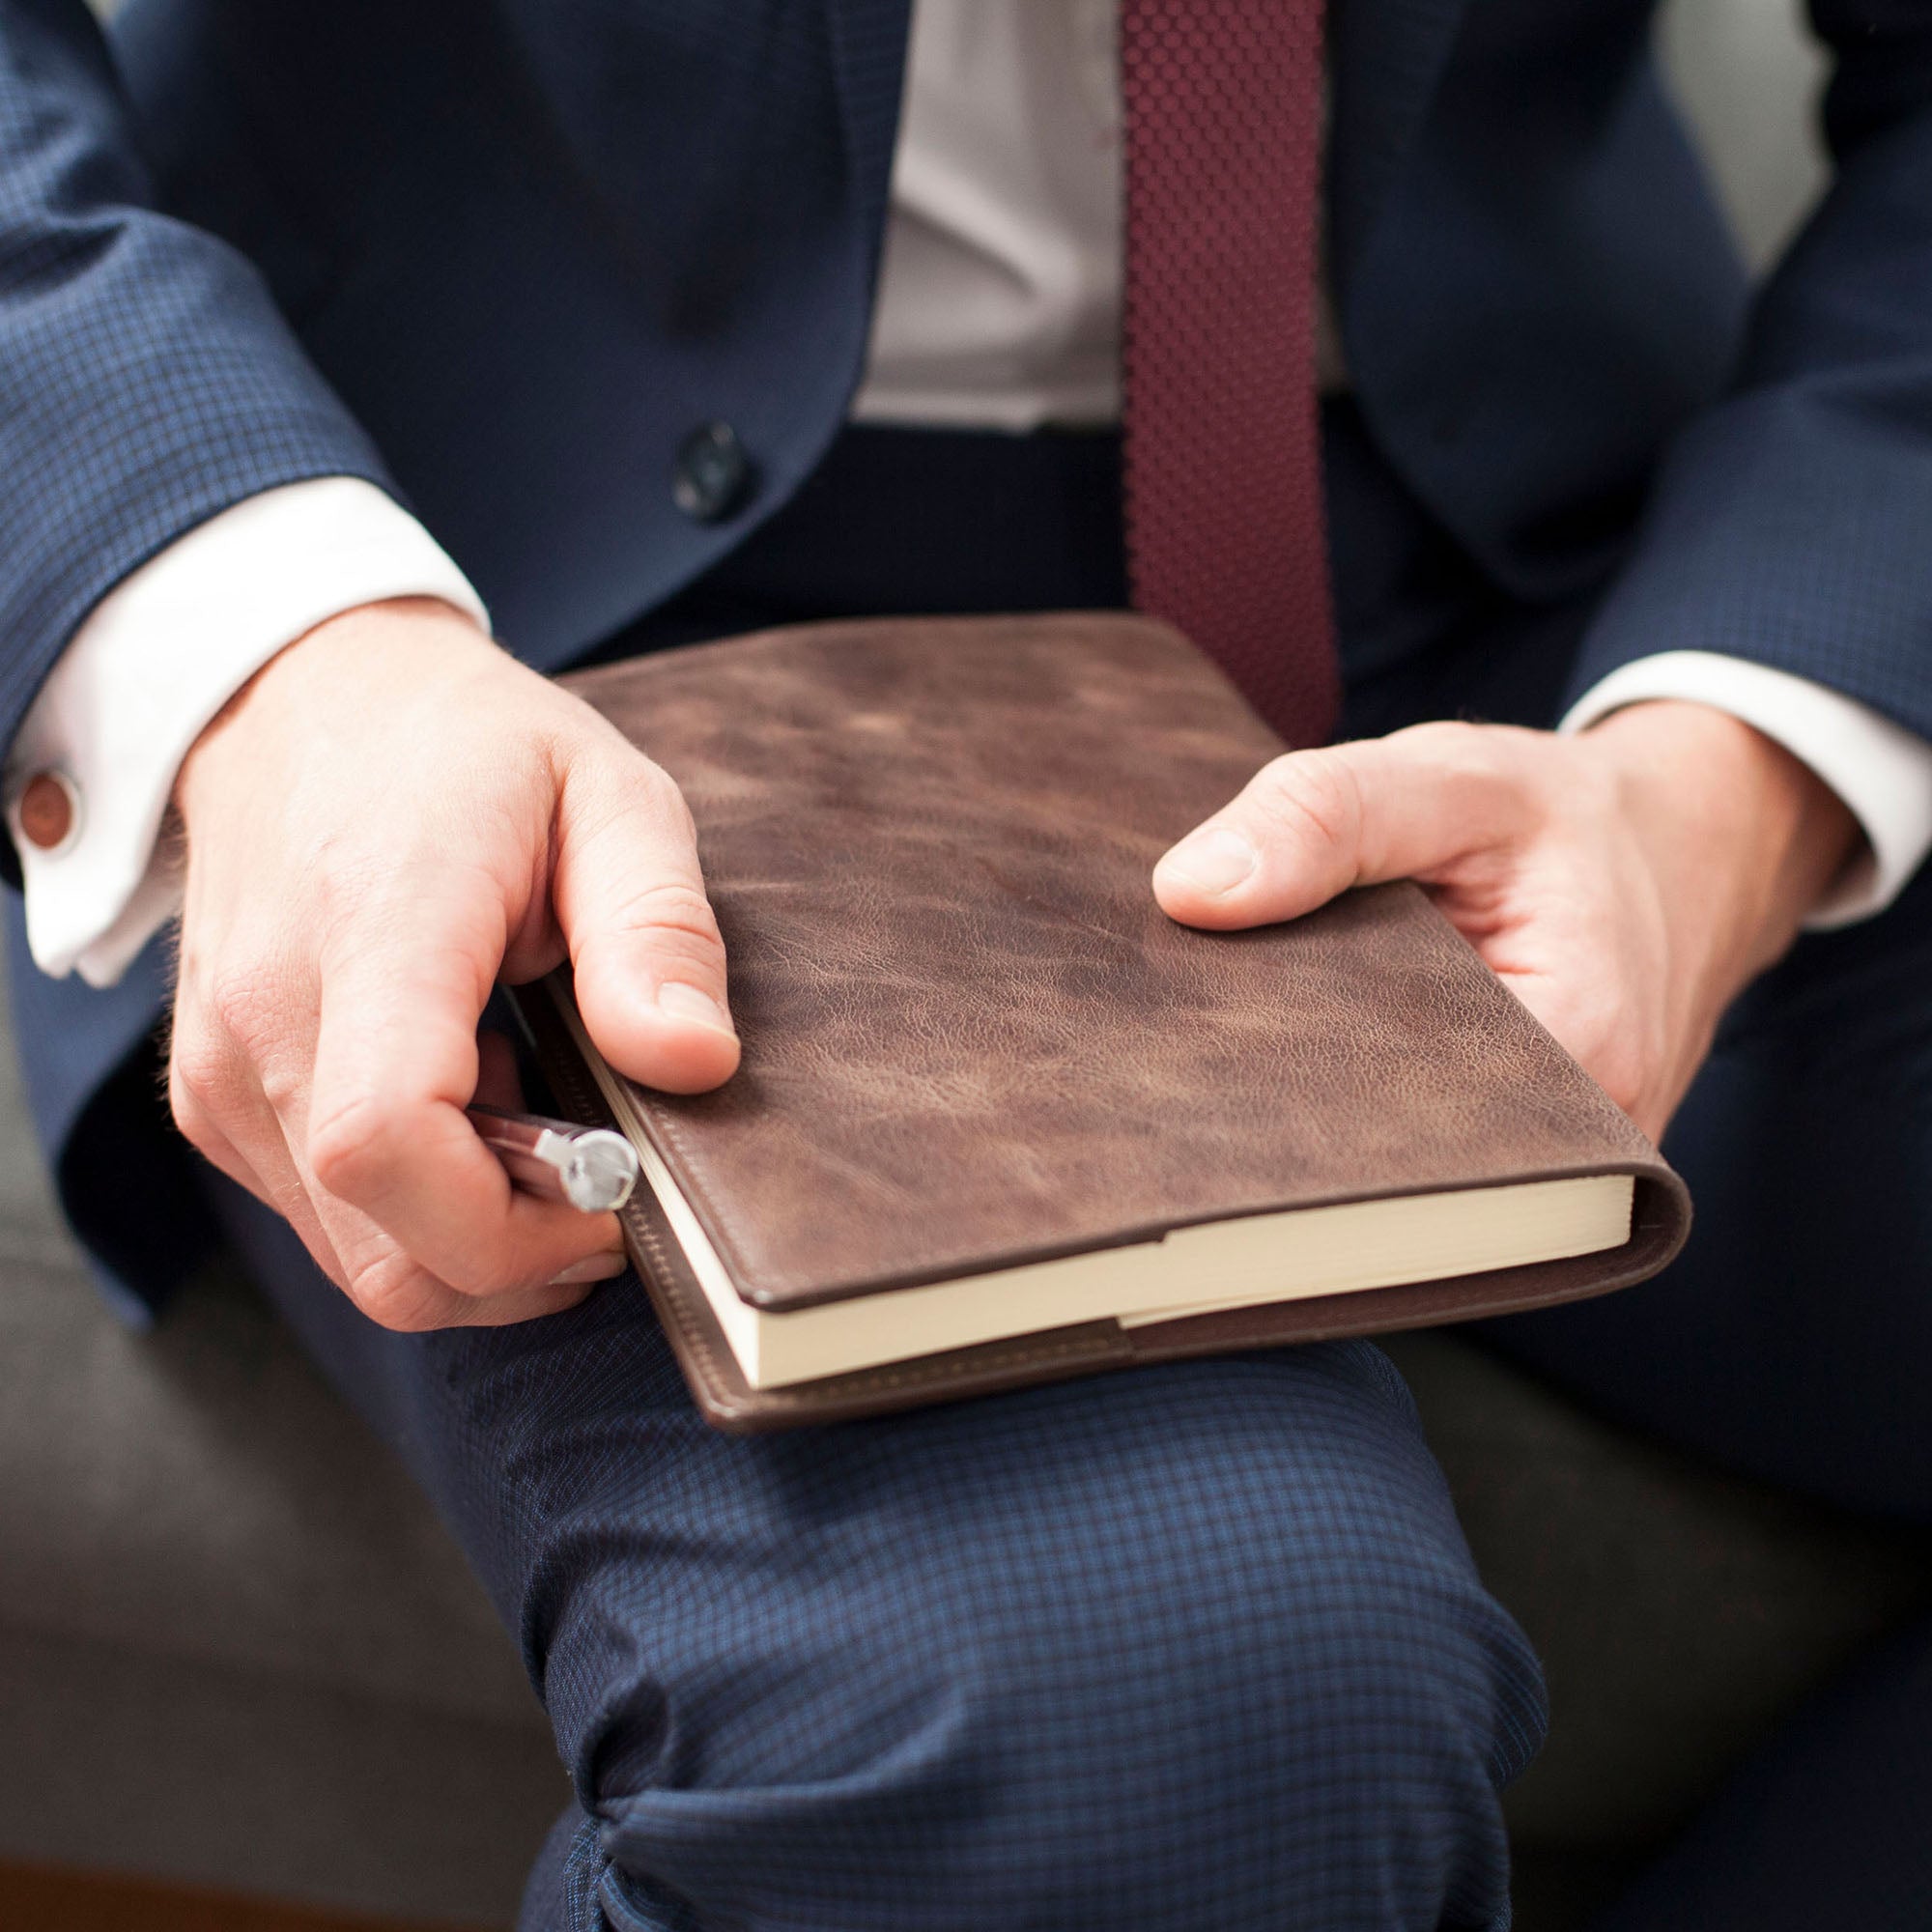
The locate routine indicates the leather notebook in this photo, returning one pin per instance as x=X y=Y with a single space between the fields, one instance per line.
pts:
x=999 y=1120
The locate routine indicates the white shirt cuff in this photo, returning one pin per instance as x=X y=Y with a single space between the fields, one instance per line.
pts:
x=157 y=658
x=1882 y=771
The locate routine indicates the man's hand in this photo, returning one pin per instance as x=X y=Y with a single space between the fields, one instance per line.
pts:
x=1625 y=883
x=390 y=816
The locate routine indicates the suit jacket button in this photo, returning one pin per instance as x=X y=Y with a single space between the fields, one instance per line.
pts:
x=712 y=473
x=48 y=810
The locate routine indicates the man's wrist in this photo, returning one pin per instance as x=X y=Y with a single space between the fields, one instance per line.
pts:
x=436 y=622
x=1732 y=815
x=1881 y=770
x=154 y=662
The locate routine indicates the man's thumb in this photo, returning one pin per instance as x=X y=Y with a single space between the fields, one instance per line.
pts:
x=1312 y=824
x=630 y=899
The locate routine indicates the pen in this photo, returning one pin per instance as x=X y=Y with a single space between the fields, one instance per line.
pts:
x=592 y=1168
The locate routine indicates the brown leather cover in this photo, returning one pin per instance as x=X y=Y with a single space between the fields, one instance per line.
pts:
x=973 y=1040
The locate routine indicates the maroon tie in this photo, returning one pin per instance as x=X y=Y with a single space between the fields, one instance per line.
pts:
x=1225 y=533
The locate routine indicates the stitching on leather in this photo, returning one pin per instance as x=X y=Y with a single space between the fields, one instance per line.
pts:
x=696 y=1188
x=668 y=1280
x=666 y=1277
x=913 y=1375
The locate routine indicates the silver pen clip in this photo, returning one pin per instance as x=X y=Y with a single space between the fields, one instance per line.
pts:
x=592 y=1168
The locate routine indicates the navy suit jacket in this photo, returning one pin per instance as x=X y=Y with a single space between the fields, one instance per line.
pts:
x=502 y=259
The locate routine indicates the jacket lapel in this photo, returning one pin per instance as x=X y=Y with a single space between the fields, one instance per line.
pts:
x=1386 y=57
x=1386 y=60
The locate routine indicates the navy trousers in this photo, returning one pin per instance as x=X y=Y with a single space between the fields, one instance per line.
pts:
x=1192 y=1646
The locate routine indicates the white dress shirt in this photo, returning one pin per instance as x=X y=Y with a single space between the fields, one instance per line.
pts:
x=999 y=307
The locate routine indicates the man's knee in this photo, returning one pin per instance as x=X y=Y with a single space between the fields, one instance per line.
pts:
x=1254 y=1680
x=1197 y=1647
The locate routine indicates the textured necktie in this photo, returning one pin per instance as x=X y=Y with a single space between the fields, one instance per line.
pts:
x=1225 y=531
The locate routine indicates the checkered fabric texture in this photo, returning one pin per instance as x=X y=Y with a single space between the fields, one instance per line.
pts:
x=1225 y=534
x=1194 y=1649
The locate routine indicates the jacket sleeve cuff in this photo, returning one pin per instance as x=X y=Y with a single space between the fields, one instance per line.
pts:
x=154 y=663
x=1882 y=771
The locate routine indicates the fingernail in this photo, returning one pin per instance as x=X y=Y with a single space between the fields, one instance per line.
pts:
x=595 y=1268
x=686 y=1003
x=1215 y=861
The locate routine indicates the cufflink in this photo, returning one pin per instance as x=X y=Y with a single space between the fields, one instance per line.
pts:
x=47 y=811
